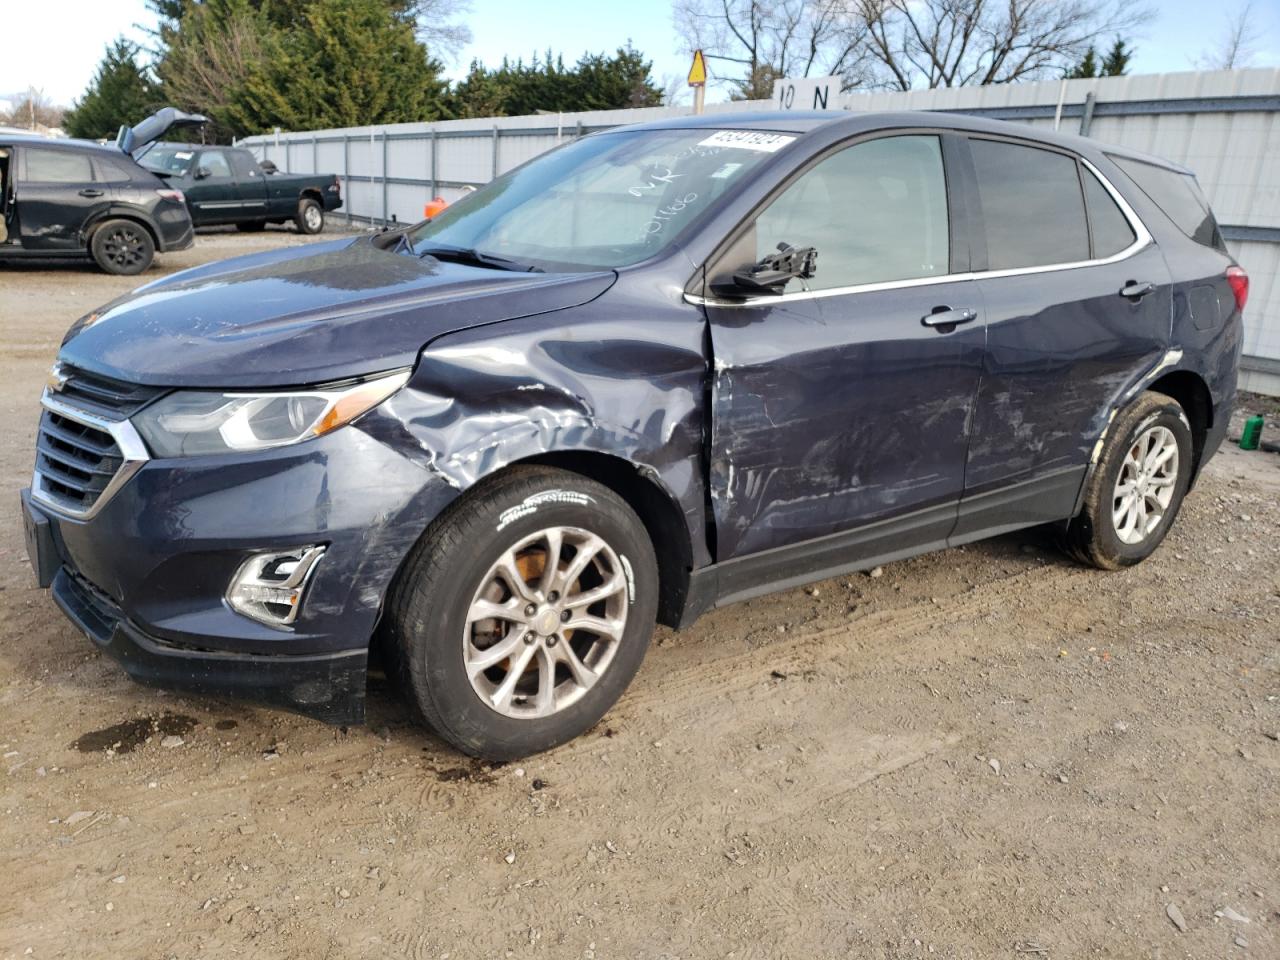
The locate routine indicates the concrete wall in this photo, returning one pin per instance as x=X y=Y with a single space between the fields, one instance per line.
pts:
x=1224 y=125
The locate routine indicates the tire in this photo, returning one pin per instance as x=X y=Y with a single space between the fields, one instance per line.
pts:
x=251 y=226
x=310 y=218
x=122 y=247
x=1141 y=434
x=433 y=633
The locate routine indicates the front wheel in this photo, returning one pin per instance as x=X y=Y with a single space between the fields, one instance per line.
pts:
x=310 y=218
x=524 y=612
x=1136 y=489
x=122 y=247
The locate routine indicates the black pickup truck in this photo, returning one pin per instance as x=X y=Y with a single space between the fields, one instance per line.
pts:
x=226 y=185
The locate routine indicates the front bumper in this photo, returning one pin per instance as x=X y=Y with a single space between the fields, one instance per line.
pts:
x=146 y=575
x=329 y=687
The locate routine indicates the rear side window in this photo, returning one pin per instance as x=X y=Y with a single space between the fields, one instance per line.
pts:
x=875 y=212
x=1179 y=196
x=57 y=166
x=1031 y=206
x=1109 y=231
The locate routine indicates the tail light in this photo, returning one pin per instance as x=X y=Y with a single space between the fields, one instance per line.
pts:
x=175 y=195
x=1239 y=281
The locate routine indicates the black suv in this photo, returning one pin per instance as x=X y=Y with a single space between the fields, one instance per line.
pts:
x=74 y=198
x=656 y=370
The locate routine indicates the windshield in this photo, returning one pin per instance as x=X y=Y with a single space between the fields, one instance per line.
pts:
x=171 y=160
x=604 y=201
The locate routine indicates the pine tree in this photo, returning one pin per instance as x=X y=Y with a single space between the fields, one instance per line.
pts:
x=121 y=93
x=1114 y=64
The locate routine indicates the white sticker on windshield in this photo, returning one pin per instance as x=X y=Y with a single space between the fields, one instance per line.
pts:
x=183 y=154
x=747 y=140
x=727 y=171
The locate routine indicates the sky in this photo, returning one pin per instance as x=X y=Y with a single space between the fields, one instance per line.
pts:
x=64 y=39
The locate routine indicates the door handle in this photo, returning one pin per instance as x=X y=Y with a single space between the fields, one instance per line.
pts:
x=945 y=316
x=90 y=192
x=1135 y=290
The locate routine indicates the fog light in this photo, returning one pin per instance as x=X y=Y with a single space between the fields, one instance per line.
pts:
x=268 y=587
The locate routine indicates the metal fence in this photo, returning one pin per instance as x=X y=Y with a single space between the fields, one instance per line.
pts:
x=1224 y=125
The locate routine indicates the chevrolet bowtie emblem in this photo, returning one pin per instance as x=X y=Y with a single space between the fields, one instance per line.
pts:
x=58 y=378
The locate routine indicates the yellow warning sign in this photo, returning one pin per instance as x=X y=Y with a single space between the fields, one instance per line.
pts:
x=698 y=72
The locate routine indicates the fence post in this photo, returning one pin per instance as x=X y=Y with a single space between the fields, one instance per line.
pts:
x=315 y=154
x=1086 y=118
x=346 y=173
x=494 y=174
x=384 y=176
x=432 y=195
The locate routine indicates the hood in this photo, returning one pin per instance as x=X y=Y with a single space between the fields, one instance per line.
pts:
x=306 y=315
x=131 y=139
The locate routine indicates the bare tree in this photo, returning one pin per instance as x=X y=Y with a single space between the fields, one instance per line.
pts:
x=34 y=111
x=438 y=28
x=749 y=43
x=952 y=43
x=1239 y=42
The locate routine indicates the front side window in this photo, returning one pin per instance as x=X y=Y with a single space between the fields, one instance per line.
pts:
x=604 y=201
x=215 y=161
x=1032 y=207
x=875 y=212
x=57 y=166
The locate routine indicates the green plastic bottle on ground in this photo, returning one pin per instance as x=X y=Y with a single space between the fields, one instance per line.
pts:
x=1251 y=435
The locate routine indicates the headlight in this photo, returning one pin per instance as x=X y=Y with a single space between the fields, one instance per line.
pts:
x=194 y=422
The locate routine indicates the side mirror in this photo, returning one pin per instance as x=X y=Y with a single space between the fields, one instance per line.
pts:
x=771 y=274
x=202 y=172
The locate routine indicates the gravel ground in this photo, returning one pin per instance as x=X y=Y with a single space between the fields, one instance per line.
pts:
x=987 y=752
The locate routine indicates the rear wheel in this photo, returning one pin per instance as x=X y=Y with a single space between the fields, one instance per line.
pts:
x=524 y=613
x=122 y=247
x=1137 y=487
x=310 y=218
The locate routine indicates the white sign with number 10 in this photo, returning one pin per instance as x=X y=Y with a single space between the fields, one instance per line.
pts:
x=806 y=93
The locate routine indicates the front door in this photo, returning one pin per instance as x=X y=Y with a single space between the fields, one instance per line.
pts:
x=251 y=185
x=843 y=404
x=55 y=194
x=1077 y=302
x=213 y=195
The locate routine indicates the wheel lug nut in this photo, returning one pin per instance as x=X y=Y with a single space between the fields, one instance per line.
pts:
x=551 y=641
x=530 y=610
x=565 y=615
x=530 y=637
x=554 y=596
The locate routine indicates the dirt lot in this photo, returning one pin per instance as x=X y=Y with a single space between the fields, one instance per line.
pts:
x=983 y=753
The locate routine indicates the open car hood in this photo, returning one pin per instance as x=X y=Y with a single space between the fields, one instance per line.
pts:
x=144 y=132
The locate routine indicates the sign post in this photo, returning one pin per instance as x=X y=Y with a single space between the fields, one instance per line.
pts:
x=698 y=80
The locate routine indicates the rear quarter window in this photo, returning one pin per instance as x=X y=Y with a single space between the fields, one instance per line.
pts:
x=1179 y=196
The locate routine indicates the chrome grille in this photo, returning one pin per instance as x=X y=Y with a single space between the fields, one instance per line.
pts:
x=75 y=461
x=86 y=448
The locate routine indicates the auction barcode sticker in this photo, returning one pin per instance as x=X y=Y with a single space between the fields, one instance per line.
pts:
x=747 y=140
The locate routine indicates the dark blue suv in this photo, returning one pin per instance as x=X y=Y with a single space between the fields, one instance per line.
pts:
x=657 y=370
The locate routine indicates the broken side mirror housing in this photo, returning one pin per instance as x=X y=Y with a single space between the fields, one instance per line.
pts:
x=770 y=275
x=202 y=172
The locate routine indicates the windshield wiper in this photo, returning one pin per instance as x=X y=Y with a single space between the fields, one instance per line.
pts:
x=476 y=258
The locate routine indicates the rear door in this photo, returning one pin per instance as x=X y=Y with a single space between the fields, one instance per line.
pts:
x=1077 y=299
x=213 y=194
x=56 y=193
x=841 y=407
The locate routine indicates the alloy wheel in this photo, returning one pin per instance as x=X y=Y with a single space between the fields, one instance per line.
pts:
x=1144 y=488
x=545 y=622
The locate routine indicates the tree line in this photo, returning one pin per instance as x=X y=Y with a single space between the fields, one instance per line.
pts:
x=252 y=65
